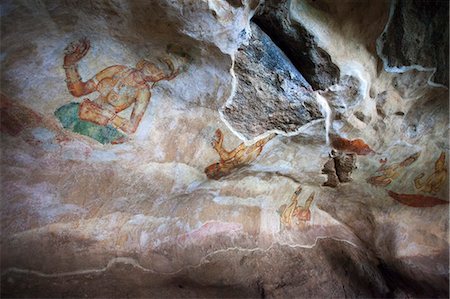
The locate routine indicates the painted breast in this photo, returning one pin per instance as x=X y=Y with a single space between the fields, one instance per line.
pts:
x=105 y=86
x=123 y=98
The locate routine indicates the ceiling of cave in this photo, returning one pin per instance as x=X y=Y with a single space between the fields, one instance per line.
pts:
x=212 y=148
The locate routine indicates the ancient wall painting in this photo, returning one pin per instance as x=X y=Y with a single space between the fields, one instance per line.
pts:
x=339 y=168
x=431 y=185
x=434 y=181
x=120 y=88
x=388 y=173
x=417 y=200
x=238 y=157
x=294 y=215
x=357 y=146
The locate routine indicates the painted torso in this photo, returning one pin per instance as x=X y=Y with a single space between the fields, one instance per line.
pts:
x=120 y=90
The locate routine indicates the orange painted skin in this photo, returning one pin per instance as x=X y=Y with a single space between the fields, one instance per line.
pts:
x=390 y=172
x=435 y=181
x=357 y=146
x=417 y=200
x=119 y=87
x=230 y=160
x=295 y=212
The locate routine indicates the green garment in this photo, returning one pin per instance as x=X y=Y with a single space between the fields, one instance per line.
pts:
x=68 y=116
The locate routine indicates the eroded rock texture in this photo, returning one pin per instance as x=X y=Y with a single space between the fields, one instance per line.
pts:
x=87 y=214
x=416 y=37
x=271 y=94
x=298 y=44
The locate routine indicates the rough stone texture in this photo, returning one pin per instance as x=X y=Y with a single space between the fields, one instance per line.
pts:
x=271 y=94
x=344 y=97
x=141 y=219
x=297 y=43
x=416 y=37
x=291 y=269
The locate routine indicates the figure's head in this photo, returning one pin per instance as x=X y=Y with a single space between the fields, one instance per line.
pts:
x=215 y=171
x=152 y=72
x=440 y=163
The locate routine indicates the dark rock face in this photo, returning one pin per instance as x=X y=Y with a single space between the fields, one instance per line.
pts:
x=339 y=169
x=329 y=267
x=416 y=36
x=313 y=62
x=271 y=94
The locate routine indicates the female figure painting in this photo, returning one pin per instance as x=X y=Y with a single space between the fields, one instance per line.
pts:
x=434 y=181
x=294 y=213
x=230 y=160
x=119 y=87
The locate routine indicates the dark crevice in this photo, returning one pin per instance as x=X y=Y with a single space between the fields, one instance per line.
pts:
x=298 y=45
x=399 y=284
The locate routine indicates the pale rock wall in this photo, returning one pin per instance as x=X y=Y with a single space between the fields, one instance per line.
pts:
x=141 y=219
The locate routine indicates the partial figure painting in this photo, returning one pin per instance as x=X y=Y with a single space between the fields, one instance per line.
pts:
x=434 y=181
x=388 y=173
x=293 y=215
x=229 y=160
x=119 y=87
x=432 y=185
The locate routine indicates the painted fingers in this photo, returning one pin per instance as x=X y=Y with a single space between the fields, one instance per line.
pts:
x=76 y=50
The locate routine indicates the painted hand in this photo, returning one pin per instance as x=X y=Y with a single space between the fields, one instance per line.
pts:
x=217 y=140
x=75 y=51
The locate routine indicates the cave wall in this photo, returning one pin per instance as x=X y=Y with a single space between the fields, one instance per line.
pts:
x=285 y=82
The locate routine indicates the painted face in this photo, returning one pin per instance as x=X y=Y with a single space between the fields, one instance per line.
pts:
x=150 y=71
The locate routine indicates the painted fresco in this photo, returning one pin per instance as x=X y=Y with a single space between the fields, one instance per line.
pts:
x=119 y=87
x=417 y=200
x=293 y=215
x=431 y=185
x=238 y=157
x=357 y=146
x=128 y=177
x=390 y=172
x=434 y=181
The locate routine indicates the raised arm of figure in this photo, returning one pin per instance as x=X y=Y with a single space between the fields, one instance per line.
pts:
x=286 y=216
x=309 y=200
x=218 y=146
x=73 y=53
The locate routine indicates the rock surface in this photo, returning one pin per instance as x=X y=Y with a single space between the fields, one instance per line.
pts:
x=271 y=95
x=416 y=37
x=297 y=43
x=141 y=219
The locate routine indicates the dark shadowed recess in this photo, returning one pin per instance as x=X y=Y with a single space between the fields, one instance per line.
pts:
x=313 y=62
x=417 y=35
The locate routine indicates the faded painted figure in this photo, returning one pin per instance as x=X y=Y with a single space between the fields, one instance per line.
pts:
x=294 y=213
x=229 y=160
x=120 y=87
x=435 y=180
x=391 y=172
